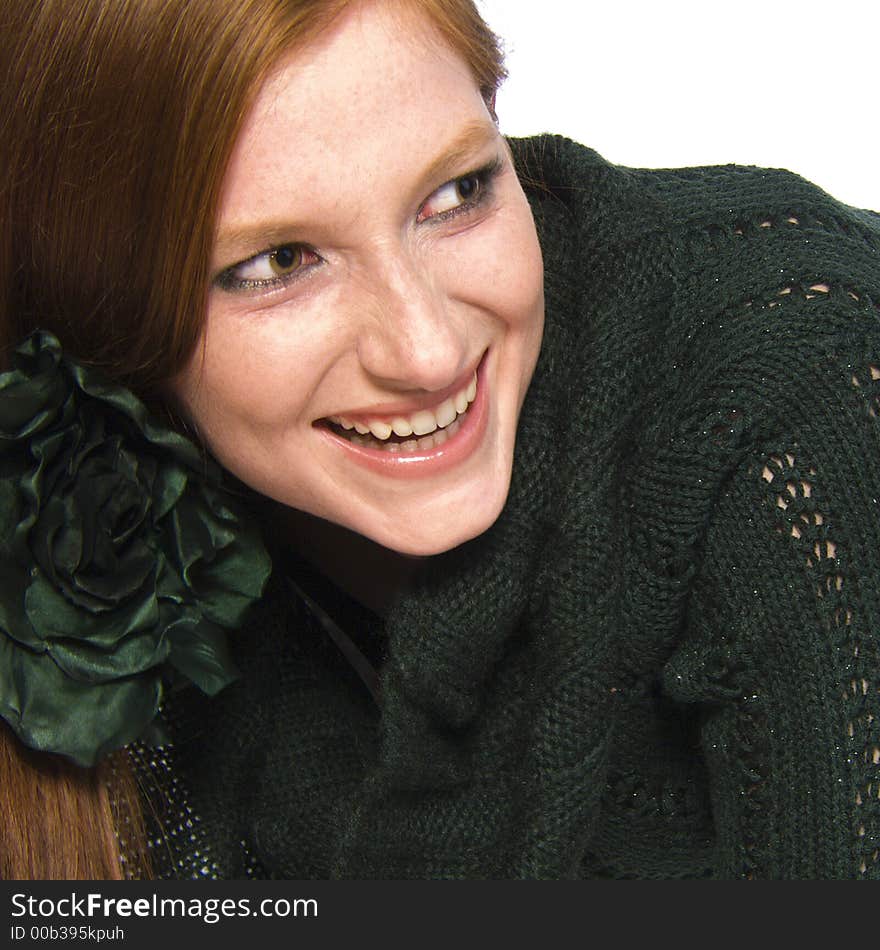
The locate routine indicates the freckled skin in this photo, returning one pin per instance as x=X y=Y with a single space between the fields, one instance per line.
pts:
x=396 y=303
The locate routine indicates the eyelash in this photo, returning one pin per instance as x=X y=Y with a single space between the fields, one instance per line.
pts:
x=484 y=177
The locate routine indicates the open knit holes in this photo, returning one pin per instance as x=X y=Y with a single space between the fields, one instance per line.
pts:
x=758 y=225
x=808 y=293
x=804 y=523
x=766 y=223
x=799 y=518
x=869 y=386
x=791 y=291
x=821 y=290
x=813 y=286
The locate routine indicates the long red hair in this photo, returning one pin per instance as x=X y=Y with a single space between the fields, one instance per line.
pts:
x=117 y=118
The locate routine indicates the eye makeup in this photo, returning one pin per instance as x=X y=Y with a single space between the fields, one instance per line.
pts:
x=286 y=263
x=471 y=191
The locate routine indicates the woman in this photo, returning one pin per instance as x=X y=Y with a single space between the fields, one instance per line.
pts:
x=572 y=577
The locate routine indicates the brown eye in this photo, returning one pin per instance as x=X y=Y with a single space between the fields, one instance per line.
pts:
x=452 y=195
x=460 y=195
x=285 y=259
x=270 y=270
x=468 y=187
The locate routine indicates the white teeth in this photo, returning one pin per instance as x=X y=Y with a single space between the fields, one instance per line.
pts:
x=381 y=430
x=432 y=441
x=445 y=413
x=401 y=427
x=423 y=422
x=434 y=426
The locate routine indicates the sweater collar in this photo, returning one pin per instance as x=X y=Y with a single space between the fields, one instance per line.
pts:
x=499 y=694
x=448 y=633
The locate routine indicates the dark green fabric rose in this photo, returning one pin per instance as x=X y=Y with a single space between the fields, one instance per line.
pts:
x=121 y=558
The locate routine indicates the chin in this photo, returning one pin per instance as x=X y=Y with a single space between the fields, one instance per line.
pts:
x=436 y=535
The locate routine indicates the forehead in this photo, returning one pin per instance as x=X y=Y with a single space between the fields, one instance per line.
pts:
x=380 y=88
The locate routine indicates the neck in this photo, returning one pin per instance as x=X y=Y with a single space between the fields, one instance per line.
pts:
x=371 y=574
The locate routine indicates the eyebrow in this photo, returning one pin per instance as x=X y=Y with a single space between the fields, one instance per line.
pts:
x=257 y=236
x=472 y=137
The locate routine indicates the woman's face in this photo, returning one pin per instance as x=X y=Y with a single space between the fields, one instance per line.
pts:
x=377 y=305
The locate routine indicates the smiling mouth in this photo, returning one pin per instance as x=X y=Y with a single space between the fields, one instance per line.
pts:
x=409 y=434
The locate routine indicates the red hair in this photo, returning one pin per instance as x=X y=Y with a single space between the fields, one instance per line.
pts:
x=117 y=119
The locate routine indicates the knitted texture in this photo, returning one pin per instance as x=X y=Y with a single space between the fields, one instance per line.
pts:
x=663 y=660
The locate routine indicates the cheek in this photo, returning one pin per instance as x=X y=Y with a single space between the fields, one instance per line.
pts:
x=245 y=373
x=519 y=284
x=241 y=424
x=505 y=271
x=217 y=396
x=182 y=391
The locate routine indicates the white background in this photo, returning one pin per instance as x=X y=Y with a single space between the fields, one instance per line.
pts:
x=677 y=82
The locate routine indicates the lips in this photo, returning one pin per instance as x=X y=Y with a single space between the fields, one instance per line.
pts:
x=425 y=440
x=416 y=428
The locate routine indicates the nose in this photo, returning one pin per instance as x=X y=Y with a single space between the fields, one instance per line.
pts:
x=411 y=336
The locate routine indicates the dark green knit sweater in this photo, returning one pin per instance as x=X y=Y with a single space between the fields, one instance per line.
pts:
x=664 y=658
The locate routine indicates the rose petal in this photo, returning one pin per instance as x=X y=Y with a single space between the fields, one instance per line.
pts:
x=52 y=616
x=120 y=552
x=200 y=652
x=52 y=713
x=87 y=663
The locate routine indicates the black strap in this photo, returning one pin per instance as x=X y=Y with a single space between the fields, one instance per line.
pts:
x=347 y=646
